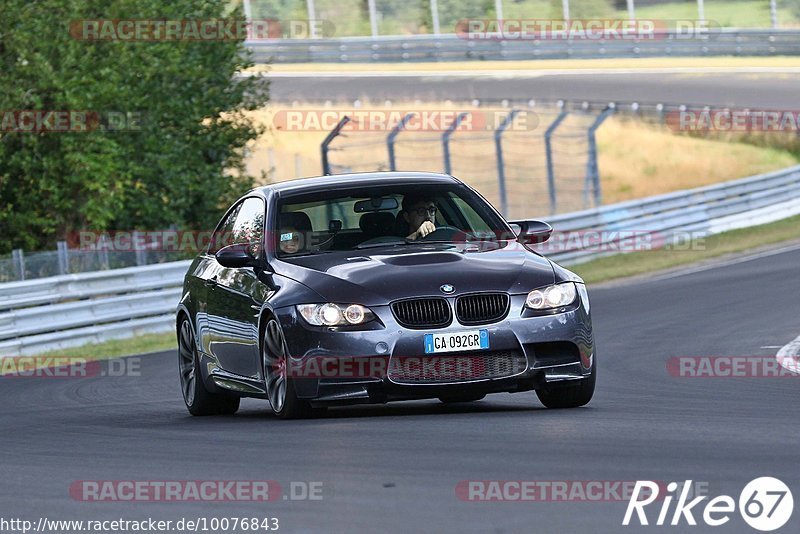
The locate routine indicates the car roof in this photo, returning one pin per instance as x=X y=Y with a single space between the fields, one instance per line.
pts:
x=322 y=183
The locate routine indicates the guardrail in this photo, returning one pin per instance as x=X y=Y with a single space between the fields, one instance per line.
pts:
x=62 y=311
x=665 y=218
x=70 y=310
x=452 y=47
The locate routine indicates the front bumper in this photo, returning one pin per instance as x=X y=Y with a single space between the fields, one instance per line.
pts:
x=555 y=348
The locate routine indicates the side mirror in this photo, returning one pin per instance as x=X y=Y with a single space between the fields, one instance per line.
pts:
x=234 y=256
x=532 y=232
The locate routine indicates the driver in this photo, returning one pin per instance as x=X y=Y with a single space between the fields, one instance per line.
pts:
x=419 y=213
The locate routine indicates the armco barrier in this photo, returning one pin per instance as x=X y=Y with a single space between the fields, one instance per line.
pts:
x=62 y=311
x=705 y=210
x=70 y=310
x=451 y=47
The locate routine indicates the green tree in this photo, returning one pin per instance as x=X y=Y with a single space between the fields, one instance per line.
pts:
x=181 y=165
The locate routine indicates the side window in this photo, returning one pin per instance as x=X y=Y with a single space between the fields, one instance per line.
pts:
x=248 y=229
x=469 y=215
x=222 y=235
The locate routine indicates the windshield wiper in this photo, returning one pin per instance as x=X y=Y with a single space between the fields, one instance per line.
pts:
x=306 y=253
x=406 y=242
x=384 y=244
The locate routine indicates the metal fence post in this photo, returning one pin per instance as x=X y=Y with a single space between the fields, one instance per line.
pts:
x=326 y=166
x=548 y=148
x=435 y=16
x=373 y=17
x=312 y=15
x=501 y=169
x=773 y=13
x=141 y=252
x=592 y=170
x=103 y=252
x=392 y=136
x=446 y=141
x=18 y=258
x=63 y=257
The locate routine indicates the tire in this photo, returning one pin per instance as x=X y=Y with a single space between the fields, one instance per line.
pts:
x=572 y=396
x=461 y=398
x=279 y=386
x=199 y=401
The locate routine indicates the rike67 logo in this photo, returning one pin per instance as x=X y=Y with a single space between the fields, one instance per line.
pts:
x=765 y=504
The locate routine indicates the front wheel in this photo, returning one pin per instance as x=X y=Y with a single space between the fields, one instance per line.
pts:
x=199 y=401
x=571 y=396
x=279 y=384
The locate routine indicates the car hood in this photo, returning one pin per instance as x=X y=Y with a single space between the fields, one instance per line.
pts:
x=378 y=276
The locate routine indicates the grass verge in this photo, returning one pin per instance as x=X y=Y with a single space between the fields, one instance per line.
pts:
x=107 y=350
x=119 y=347
x=636 y=263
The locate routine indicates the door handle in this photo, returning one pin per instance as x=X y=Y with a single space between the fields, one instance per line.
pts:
x=211 y=282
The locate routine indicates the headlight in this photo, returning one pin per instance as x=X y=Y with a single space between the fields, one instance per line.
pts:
x=330 y=314
x=549 y=297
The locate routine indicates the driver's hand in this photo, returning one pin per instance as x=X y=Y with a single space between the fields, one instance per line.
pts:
x=425 y=228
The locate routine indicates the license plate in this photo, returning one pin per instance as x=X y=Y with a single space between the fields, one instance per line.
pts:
x=456 y=341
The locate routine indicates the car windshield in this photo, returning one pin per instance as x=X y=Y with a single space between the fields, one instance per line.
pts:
x=384 y=216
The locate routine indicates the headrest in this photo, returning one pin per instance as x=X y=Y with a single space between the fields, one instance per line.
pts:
x=401 y=226
x=377 y=223
x=295 y=219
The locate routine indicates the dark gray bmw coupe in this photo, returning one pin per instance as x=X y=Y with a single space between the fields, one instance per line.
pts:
x=368 y=288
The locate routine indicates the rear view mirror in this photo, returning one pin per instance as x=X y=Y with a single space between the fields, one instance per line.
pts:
x=240 y=255
x=532 y=232
x=376 y=204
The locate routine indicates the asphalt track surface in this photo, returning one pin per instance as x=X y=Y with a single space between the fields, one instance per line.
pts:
x=395 y=467
x=734 y=89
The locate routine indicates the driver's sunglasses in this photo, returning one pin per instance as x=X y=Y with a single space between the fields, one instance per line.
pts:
x=422 y=212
